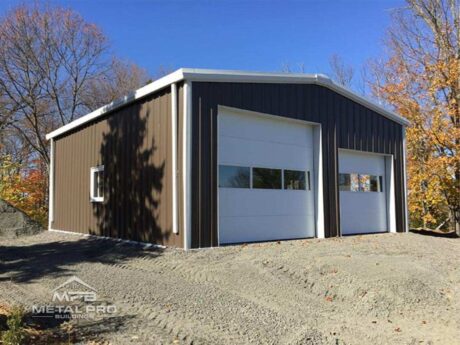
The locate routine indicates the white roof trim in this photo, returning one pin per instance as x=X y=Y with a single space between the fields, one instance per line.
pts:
x=192 y=74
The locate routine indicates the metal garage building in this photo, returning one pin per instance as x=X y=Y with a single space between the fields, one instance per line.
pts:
x=201 y=158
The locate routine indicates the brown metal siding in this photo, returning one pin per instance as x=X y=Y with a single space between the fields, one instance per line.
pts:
x=344 y=123
x=134 y=144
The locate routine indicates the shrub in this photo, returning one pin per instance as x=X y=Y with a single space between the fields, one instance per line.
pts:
x=15 y=335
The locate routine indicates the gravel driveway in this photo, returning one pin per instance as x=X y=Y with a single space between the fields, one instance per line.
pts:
x=376 y=289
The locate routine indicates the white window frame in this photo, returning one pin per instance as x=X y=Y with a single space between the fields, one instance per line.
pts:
x=93 y=170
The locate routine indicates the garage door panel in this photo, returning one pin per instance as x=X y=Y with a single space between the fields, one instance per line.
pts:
x=246 y=202
x=259 y=153
x=251 y=229
x=259 y=128
x=250 y=214
x=350 y=162
x=363 y=211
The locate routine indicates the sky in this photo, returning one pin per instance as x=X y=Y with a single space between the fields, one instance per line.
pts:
x=242 y=35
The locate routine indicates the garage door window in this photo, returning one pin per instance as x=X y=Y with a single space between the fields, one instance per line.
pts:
x=234 y=176
x=360 y=183
x=344 y=182
x=376 y=183
x=294 y=179
x=364 y=183
x=263 y=178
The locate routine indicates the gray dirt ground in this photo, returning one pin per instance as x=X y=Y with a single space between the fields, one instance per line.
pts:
x=379 y=289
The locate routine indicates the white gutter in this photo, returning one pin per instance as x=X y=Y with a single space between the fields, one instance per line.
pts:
x=175 y=229
x=186 y=165
x=190 y=74
x=51 y=187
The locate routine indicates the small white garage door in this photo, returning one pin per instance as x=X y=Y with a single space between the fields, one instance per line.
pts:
x=362 y=188
x=265 y=178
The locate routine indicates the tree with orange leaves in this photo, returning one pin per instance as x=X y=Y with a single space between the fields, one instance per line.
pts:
x=421 y=81
x=25 y=189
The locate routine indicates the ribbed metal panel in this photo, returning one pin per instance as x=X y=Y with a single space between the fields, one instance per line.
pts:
x=134 y=145
x=345 y=124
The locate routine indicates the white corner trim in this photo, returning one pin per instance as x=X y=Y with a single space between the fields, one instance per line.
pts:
x=175 y=229
x=190 y=74
x=94 y=198
x=114 y=239
x=186 y=165
x=390 y=193
x=406 y=206
x=318 y=181
x=51 y=187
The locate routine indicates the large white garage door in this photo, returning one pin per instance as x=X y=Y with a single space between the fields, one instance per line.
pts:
x=362 y=188
x=265 y=178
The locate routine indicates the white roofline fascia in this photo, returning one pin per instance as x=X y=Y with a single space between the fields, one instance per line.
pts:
x=203 y=75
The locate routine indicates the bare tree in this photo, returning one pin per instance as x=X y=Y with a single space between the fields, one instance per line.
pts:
x=121 y=79
x=341 y=72
x=162 y=70
x=287 y=67
x=50 y=60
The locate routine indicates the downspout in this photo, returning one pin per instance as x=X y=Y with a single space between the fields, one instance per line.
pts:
x=175 y=229
x=51 y=187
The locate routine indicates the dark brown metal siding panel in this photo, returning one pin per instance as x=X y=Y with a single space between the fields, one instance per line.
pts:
x=134 y=144
x=345 y=124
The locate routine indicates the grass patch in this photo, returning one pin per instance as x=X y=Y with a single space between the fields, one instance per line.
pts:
x=15 y=333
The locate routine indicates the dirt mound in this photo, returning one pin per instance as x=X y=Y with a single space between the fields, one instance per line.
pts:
x=15 y=223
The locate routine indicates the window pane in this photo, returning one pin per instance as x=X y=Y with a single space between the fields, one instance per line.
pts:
x=100 y=184
x=266 y=178
x=233 y=176
x=376 y=183
x=354 y=182
x=364 y=183
x=344 y=182
x=294 y=179
x=95 y=177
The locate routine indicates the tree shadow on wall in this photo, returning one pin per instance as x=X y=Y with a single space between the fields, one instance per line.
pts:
x=133 y=179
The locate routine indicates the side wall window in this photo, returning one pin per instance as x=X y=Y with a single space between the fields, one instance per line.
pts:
x=97 y=184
